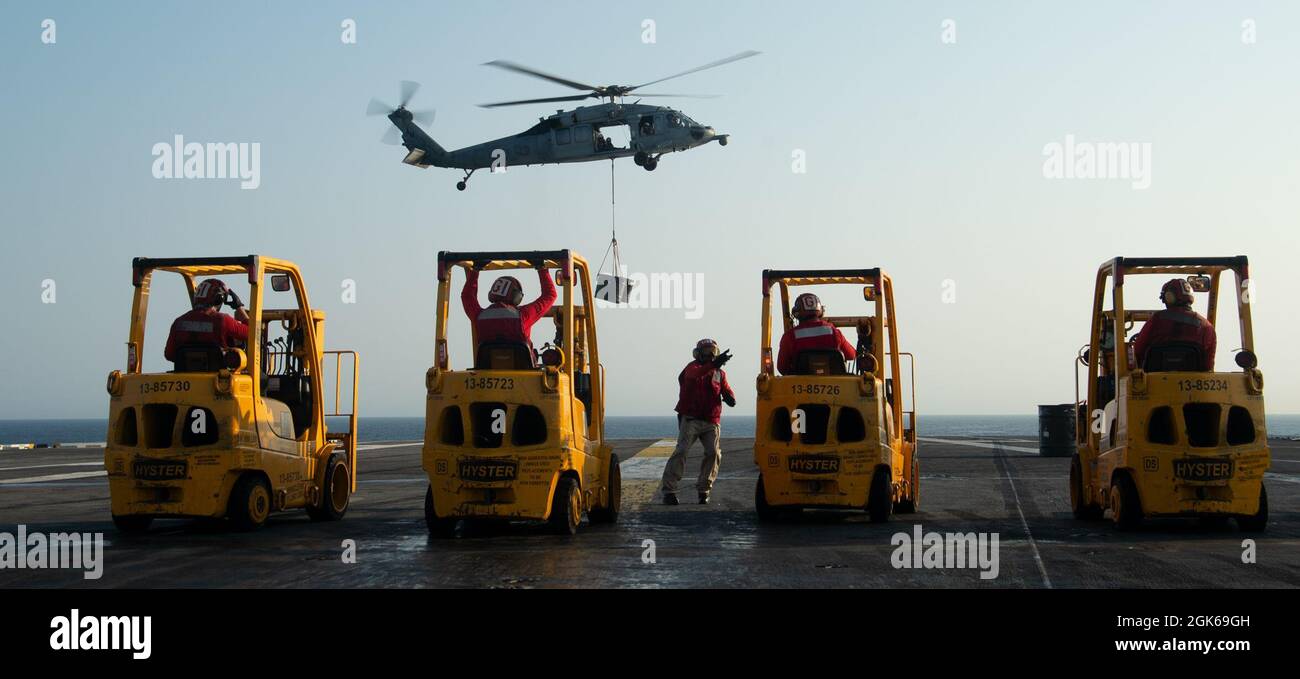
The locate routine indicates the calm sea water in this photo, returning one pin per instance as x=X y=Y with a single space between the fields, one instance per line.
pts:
x=412 y=428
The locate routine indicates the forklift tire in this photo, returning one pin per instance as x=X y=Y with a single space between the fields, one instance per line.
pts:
x=879 y=501
x=566 y=507
x=438 y=527
x=766 y=513
x=1078 y=503
x=1257 y=522
x=909 y=504
x=336 y=493
x=609 y=514
x=132 y=524
x=1125 y=505
x=250 y=503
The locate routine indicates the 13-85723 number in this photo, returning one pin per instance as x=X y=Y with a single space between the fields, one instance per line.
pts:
x=489 y=383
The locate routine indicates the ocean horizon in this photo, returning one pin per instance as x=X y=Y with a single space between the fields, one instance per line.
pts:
x=373 y=429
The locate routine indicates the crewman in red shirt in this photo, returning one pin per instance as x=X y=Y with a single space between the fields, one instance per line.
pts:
x=1178 y=322
x=504 y=320
x=702 y=389
x=205 y=324
x=812 y=334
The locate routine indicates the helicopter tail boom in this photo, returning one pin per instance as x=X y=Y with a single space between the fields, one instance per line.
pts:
x=423 y=149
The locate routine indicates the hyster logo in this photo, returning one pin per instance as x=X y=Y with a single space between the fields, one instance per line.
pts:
x=489 y=470
x=946 y=550
x=814 y=464
x=103 y=633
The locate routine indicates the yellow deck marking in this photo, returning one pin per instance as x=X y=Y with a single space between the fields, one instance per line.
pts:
x=641 y=472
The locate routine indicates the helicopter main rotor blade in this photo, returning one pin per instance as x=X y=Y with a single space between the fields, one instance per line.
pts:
x=378 y=108
x=423 y=117
x=735 y=57
x=409 y=88
x=575 y=97
x=518 y=68
x=685 y=96
x=392 y=137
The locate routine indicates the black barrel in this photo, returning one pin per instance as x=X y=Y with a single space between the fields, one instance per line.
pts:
x=1056 y=430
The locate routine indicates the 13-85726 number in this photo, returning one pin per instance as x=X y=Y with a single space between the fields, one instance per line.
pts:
x=817 y=389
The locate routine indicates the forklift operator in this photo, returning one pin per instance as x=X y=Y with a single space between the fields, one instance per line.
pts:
x=504 y=320
x=1178 y=322
x=812 y=334
x=205 y=324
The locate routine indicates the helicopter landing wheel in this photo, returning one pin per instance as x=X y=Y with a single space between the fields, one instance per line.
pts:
x=460 y=186
x=722 y=141
x=650 y=164
x=640 y=158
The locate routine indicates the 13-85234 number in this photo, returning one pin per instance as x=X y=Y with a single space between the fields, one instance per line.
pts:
x=1203 y=385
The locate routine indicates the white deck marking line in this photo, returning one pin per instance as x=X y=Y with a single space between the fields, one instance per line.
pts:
x=1288 y=478
x=380 y=446
x=978 y=444
x=61 y=464
x=1033 y=544
x=54 y=477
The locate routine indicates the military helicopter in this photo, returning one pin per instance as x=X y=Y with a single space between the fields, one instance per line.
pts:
x=566 y=136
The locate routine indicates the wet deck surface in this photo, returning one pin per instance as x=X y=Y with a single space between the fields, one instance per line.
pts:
x=969 y=485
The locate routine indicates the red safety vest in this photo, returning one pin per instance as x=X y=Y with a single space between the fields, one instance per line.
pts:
x=501 y=323
x=204 y=327
x=812 y=335
x=700 y=390
x=1176 y=325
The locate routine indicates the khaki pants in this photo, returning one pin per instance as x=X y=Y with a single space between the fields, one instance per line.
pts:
x=710 y=435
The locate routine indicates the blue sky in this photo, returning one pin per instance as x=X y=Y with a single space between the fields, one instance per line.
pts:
x=923 y=158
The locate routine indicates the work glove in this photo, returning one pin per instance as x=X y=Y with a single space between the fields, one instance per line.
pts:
x=729 y=400
x=722 y=359
x=233 y=301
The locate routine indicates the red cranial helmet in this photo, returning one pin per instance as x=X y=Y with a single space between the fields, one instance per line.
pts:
x=211 y=292
x=808 y=306
x=705 y=347
x=507 y=290
x=1177 y=292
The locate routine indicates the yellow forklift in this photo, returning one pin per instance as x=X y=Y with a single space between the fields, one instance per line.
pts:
x=520 y=434
x=1167 y=438
x=833 y=434
x=231 y=432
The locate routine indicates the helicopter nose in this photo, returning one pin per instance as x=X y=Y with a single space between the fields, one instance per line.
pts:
x=703 y=133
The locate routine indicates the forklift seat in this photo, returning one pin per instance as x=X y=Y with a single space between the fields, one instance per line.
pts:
x=505 y=356
x=1174 y=357
x=819 y=362
x=199 y=358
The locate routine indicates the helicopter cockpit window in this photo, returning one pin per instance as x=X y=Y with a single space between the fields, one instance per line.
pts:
x=674 y=120
x=647 y=125
x=563 y=136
